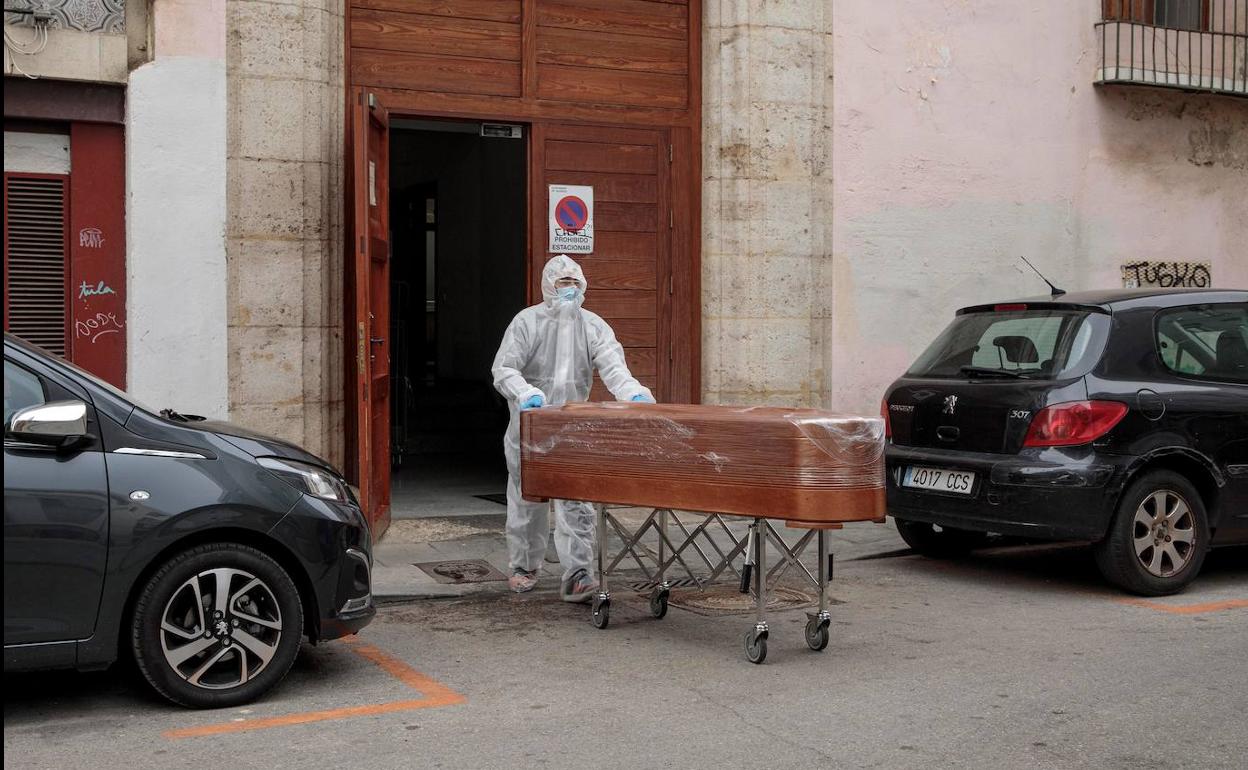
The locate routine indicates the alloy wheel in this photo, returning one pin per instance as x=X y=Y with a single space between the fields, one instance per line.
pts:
x=220 y=628
x=1164 y=533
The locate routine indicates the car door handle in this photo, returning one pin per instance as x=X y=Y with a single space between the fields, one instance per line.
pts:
x=948 y=433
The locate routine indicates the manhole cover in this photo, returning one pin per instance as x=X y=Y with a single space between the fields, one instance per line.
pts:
x=728 y=600
x=463 y=571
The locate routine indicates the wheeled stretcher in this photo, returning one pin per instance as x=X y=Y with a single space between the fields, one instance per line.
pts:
x=698 y=469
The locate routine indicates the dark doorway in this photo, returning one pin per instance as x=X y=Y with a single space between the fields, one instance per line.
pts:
x=458 y=199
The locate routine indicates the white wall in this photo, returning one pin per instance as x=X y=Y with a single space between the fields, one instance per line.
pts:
x=36 y=153
x=175 y=226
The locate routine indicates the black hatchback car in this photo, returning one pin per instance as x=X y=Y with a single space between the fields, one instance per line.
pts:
x=1118 y=417
x=202 y=550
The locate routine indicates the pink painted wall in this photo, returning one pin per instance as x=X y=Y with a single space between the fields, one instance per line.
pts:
x=189 y=28
x=968 y=133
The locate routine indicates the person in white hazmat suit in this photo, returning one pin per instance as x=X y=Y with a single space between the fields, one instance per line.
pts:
x=547 y=358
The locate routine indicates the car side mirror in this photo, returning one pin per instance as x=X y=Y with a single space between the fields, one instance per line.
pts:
x=60 y=424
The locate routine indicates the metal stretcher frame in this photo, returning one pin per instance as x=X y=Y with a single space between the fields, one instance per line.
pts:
x=754 y=573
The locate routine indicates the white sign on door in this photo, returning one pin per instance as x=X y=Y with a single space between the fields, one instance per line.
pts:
x=571 y=219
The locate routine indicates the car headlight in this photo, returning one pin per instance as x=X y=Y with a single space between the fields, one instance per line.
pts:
x=307 y=478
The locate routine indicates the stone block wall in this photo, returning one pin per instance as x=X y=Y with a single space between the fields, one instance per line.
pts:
x=767 y=101
x=284 y=231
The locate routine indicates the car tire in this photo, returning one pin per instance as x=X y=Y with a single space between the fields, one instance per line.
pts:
x=945 y=543
x=227 y=652
x=1153 y=556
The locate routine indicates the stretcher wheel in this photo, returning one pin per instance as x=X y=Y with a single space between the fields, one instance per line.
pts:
x=756 y=646
x=600 y=615
x=658 y=604
x=817 y=634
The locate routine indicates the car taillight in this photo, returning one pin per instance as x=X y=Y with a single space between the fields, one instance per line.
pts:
x=888 y=424
x=1074 y=423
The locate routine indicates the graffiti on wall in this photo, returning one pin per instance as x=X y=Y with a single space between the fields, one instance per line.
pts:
x=99 y=289
x=107 y=16
x=1167 y=275
x=91 y=238
x=97 y=326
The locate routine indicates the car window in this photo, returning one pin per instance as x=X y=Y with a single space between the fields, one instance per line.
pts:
x=1034 y=343
x=1205 y=341
x=21 y=389
x=1179 y=357
x=1003 y=338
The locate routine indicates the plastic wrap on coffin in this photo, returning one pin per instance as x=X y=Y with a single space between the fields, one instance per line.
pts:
x=801 y=465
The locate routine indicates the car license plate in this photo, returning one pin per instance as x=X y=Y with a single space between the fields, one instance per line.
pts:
x=938 y=479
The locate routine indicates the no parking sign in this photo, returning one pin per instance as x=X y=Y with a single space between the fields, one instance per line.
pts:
x=571 y=219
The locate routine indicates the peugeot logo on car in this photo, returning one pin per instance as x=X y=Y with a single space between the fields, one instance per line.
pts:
x=951 y=403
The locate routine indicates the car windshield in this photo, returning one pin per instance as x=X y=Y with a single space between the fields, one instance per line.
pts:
x=1011 y=344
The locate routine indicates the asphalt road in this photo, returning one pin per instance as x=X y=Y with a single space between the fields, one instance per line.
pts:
x=1013 y=658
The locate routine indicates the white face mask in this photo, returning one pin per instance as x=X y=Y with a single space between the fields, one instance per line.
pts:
x=569 y=293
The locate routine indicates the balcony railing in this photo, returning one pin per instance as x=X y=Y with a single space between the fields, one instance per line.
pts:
x=1192 y=45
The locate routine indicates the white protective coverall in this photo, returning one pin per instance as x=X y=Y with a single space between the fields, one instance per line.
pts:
x=552 y=350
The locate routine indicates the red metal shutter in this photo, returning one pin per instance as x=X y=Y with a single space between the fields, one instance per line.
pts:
x=35 y=248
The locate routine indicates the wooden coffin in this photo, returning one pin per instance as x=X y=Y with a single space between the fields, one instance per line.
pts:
x=802 y=465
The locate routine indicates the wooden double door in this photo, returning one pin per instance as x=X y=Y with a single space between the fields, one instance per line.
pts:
x=629 y=271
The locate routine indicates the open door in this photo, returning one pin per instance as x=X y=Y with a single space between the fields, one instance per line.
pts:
x=370 y=274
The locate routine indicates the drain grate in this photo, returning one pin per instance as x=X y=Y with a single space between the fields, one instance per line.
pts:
x=728 y=600
x=641 y=586
x=461 y=571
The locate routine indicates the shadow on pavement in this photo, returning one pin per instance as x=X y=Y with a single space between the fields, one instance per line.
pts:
x=1071 y=566
x=31 y=698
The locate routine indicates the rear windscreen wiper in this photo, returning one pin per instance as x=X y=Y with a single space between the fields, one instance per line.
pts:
x=169 y=414
x=984 y=371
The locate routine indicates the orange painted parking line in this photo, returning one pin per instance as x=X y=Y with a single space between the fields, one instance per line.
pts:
x=433 y=691
x=303 y=718
x=435 y=695
x=1189 y=609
